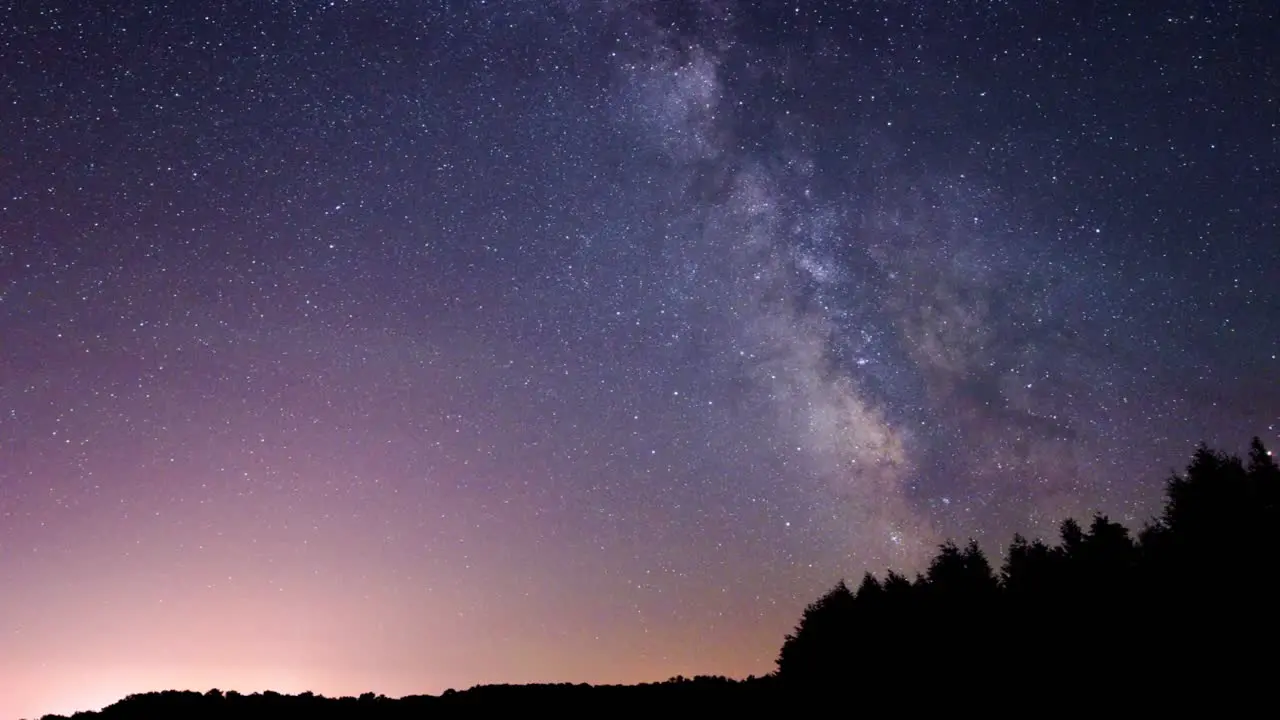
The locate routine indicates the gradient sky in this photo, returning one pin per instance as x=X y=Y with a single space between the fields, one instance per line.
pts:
x=395 y=346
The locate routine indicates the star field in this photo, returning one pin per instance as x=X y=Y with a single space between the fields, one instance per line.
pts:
x=399 y=346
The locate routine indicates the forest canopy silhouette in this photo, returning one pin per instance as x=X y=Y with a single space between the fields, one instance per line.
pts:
x=1187 y=605
x=1182 y=612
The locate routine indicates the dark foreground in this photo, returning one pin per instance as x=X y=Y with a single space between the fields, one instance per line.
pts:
x=910 y=694
x=717 y=693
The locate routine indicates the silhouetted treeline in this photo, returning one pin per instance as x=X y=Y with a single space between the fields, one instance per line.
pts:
x=709 y=693
x=1182 y=617
x=1184 y=611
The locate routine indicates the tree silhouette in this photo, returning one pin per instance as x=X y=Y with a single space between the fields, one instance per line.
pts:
x=962 y=576
x=1193 y=595
x=817 y=652
x=1029 y=570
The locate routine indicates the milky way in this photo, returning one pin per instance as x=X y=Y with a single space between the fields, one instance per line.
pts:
x=397 y=346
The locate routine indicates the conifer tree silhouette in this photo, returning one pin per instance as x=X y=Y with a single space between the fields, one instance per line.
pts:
x=1193 y=594
x=818 y=651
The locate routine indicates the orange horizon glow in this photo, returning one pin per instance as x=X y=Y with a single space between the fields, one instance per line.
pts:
x=97 y=625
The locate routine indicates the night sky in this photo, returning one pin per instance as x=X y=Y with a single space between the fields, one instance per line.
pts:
x=396 y=346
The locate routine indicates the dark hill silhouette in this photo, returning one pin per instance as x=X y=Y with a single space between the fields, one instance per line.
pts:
x=1181 y=617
